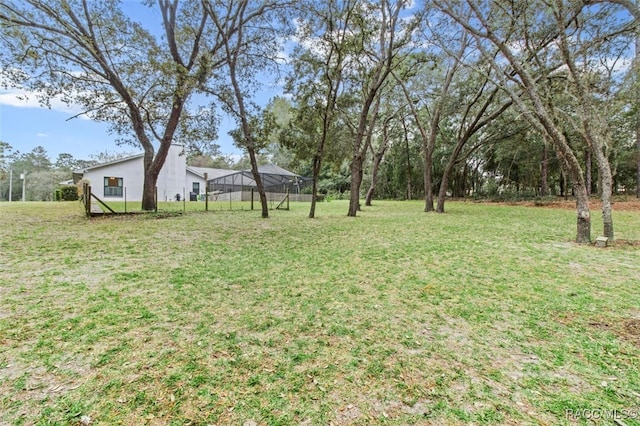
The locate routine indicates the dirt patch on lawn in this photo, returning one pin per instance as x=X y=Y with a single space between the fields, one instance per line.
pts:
x=627 y=329
x=632 y=331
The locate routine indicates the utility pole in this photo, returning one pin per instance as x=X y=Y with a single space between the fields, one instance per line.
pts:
x=23 y=176
x=10 y=183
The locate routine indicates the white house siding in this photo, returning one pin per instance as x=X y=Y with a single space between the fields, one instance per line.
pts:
x=195 y=177
x=196 y=174
x=171 y=180
x=172 y=177
x=129 y=170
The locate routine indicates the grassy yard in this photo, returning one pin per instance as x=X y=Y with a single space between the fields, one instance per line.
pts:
x=488 y=314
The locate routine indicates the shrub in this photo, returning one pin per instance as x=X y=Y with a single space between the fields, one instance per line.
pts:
x=68 y=193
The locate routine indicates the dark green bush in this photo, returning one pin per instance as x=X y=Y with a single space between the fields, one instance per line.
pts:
x=68 y=193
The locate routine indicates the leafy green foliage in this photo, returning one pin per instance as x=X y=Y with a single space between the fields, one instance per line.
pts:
x=68 y=193
x=42 y=177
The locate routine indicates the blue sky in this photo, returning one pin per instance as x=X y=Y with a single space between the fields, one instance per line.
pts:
x=25 y=125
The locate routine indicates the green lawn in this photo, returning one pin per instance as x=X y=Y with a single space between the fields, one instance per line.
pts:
x=488 y=314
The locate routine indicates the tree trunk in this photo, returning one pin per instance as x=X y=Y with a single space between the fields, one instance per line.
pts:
x=583 y=233
x=377 y=155
x=149 y=184
x=356 y=182
x=477 y=123
x=428 y=178
x=638 y=154
x=258 y=180
x=377 y=159
x=476 y=177
x=465 y=179
x=317 y=165
x=572 y=168
x=152 y=166
x=544 y=172
x=543 y=117
x=593 y=131
x=563 y=185
x=606 y=191
x=435 y=123
x=607 y=209
x=317 y=160
x=587 y=170
x=361 y=144
x=149 y=192
x=232 y=57
x=444 y=184
x=409 y=195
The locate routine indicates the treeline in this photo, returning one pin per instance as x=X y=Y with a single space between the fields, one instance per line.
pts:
x=42 y=175
x=467 y=98
x=387 y=98
x=494 y=100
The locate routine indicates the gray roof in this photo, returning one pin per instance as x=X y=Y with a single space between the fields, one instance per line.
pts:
x=121 y=160
x=271 y=175
x=272 y=169
x=212 y=173
x=267 y=169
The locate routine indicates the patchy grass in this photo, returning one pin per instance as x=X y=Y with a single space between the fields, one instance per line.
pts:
x=488 y=314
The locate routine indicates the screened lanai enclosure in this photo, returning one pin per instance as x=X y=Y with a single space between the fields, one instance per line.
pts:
x=240 y=185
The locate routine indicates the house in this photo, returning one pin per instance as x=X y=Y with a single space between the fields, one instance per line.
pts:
x=196 y=177
x=122 y=179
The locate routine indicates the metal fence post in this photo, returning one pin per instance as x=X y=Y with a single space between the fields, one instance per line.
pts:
x=206 y=192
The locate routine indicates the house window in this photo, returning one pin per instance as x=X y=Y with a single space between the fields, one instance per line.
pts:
x=196 y=187
x=112 y=187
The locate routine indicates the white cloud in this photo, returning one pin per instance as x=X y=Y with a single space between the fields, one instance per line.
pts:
x=42 y=135
x=14 y=95
x=20 y=98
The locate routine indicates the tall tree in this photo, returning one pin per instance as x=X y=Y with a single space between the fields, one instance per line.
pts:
x=440 y=102
x=5 y=155
x=5 y=166
x=380 y=140
x=316 y=82
x=479 y=105
x=493 y=26
x=384 y=40
x=590 y=120
x=247 y=31
x=68 y=163
x=36 y=160
x=91 y=54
